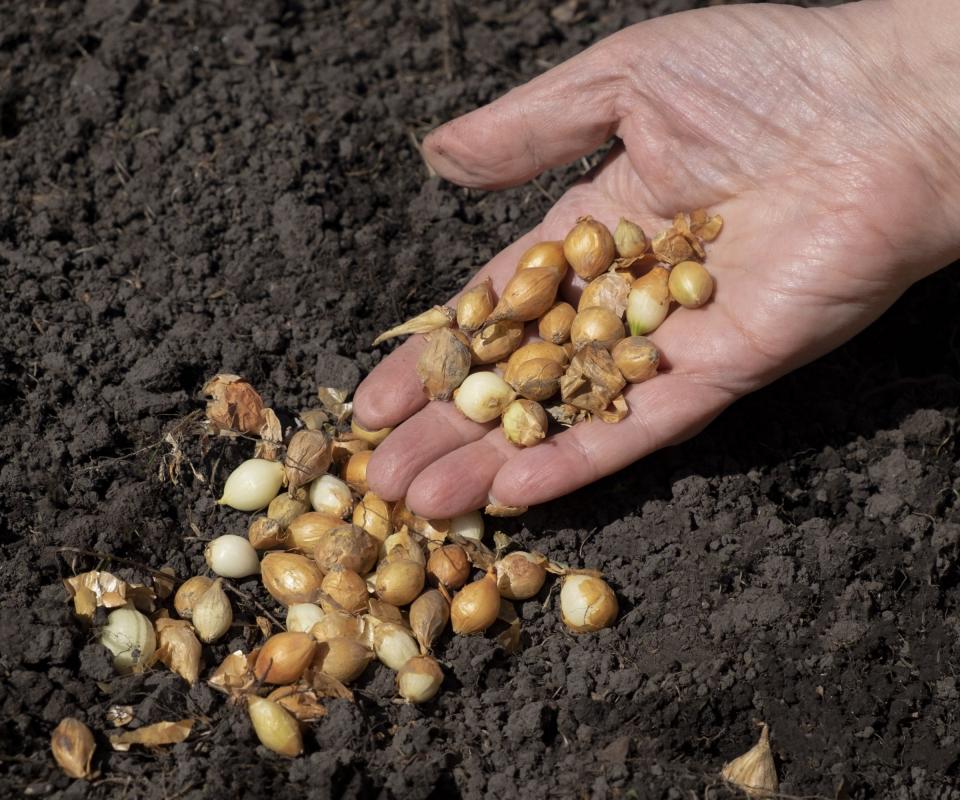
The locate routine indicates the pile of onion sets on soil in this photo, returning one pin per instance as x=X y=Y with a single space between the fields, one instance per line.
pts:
x=582 y=358
x=363 y=581
x=360 y=581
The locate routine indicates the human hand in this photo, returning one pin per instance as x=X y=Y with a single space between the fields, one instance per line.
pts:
x=831 y=155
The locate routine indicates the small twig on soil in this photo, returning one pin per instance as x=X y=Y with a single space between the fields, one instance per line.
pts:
x=259 y=607
x=544 y=192
x=447 y=39
x=585 y=540
x=129 y=562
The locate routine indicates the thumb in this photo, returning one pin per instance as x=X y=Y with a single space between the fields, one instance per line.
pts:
x=554 y=119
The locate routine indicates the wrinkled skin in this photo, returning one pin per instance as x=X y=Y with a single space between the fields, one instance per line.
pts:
x=827 y=139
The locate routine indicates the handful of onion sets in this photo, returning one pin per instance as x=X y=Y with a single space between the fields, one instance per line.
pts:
x=585 y=356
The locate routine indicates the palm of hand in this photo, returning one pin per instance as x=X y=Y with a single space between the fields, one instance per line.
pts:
x=805 y=259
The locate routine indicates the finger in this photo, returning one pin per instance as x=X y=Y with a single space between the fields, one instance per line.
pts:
x=565 y=113
x=461 y=480
x=392 y=391
x=663 y=411
x=428 y=435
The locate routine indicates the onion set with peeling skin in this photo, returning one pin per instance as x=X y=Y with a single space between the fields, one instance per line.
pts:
x=637 y=358
x=374 y=515
x=394 y=645
x=129 y=635
x=496 y=341
x=483 y=396
x=444 y=363
x=474 y=306
x=520 y=575
x=468 y=525
x=178 y=648
x=609 y=291
x=524 y=423
x=419 y=680
x=329 y=495
x=589 y=248
x=265 y=534
x=554 y=326
x=690 y=284
x=346 y=546
x=284 y=508
x=252 y=485
x=301 y=617
x=587 y=603
x=430 y=529
x=401 y=546
x=337 y=625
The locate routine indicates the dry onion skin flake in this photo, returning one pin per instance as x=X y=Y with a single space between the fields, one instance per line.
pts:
x=755 y=771
x=73 y=745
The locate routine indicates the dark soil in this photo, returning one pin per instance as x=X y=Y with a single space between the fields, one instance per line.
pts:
x=188 y=188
